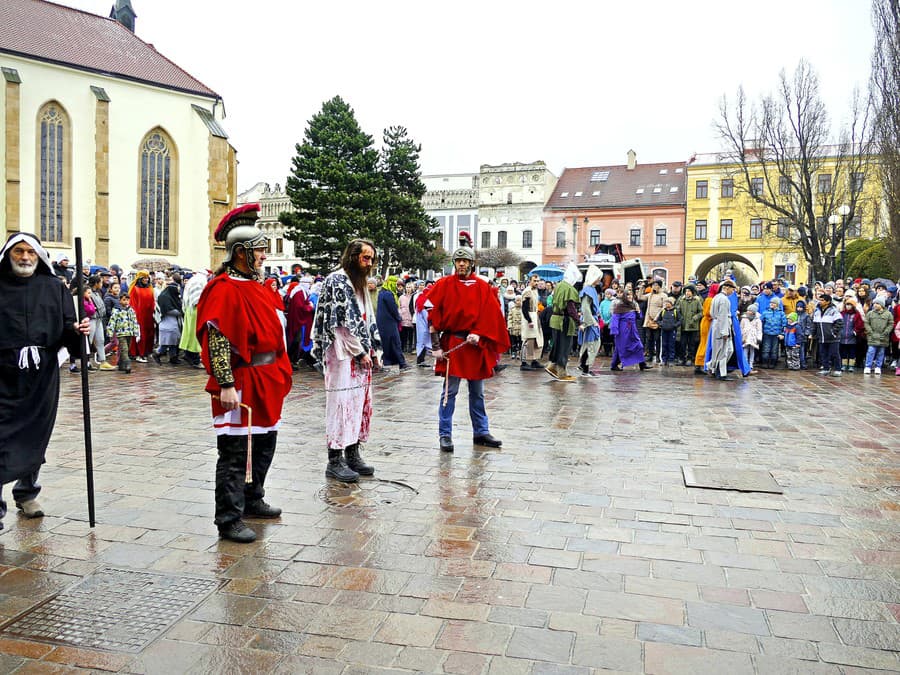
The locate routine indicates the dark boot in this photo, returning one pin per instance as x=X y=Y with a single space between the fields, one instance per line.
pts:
x=644 y=366
x=338 y=469
x=355 y=462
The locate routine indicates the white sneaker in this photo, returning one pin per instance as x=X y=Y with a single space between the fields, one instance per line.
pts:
x=867 y=371
x=878 y=371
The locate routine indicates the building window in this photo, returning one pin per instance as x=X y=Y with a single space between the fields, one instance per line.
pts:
x=501 y=239
x=509 y=197
x=159 y=168
x=725 y=228
x=856 y=182
x=560 y=240
x=854 y=227
x=783 y=228
x=661 y=236
x=54 y=157
x=594 y=239
x=824 y=183
x=485 y=240
x=635 y=238
x=728 y=187
x=756 y=228
x=699 y=229
x=784 y=185
x=279 y=245
x=526 y=239
x=702 y=189
x=756 y=187
x=661 y=273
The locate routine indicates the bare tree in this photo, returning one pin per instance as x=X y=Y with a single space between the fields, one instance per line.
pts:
x=796 y=175
x=884 y=88
x=496 y=258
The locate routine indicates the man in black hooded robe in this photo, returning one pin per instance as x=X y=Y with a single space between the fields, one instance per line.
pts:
x=38 y=319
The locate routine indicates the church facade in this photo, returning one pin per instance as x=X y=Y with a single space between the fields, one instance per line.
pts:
x=106 y=139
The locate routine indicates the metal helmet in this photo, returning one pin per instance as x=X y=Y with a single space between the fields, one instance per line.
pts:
x=238 y=228
x=465 y=250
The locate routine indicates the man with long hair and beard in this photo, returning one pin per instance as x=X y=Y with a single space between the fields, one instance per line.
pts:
x=345 y=340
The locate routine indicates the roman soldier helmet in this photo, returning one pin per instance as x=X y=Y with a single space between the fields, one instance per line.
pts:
x=465 y=250
x=238 y=228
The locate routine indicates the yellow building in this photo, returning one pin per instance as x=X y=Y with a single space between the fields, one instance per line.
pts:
x=725 y=224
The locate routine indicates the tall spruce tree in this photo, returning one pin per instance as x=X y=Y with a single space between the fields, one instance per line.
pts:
x=407 y=236
x=335 y=187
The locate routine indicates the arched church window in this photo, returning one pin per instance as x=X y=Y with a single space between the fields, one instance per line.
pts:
x=158 y=186
x=54 y=192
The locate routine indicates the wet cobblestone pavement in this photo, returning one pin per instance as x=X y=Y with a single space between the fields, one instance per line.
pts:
x=575 y=548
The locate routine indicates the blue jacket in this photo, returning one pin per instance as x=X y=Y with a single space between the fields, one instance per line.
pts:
x=773 y=321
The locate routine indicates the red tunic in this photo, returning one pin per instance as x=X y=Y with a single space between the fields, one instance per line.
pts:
x=462 y=306
x=245 y=312
x=143 y=301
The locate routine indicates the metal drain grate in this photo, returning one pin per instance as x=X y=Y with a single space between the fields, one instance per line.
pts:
x=369 y=493
x=730 y=479
x=112 y=609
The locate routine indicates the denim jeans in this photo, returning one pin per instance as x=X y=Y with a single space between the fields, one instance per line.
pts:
x=750 y=355
x=769 y=348
x=25 y=489
x=831 y=358
x=874 y=356
x=476 y=408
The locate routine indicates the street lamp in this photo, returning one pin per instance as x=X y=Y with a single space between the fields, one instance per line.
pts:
x=575 y=235
x=843 y=211
x=833 y=219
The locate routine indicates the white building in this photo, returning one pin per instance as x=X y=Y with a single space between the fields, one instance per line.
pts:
x=107 y=140
x=453 y=200
x=272 y=203
x=510 y=209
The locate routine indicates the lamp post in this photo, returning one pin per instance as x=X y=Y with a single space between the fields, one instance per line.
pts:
x=575 y=235
x=834 y=219
x=843 y=211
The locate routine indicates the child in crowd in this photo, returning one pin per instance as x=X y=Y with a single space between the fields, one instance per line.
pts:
x=751 y=334
x=804 y=331
x=124 y=326
x=669 y=322
x=853 y=327
x=879 y=323
x=792 y=342
x=773 y=323
x=514 y=326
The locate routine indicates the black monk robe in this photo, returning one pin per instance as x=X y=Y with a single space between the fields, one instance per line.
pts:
x=35 y=312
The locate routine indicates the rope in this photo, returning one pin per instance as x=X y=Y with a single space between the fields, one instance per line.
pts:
x=248 y=469
x=446 y=357
x=35 y=357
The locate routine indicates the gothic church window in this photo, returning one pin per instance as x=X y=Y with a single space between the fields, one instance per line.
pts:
x=54 y=175
x=158 y=192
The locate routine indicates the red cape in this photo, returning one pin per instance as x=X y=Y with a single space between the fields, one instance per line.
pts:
x=143 y=301
x=246 y=312
x=468 y=306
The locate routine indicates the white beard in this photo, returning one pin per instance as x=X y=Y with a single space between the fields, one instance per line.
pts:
x=23 y=269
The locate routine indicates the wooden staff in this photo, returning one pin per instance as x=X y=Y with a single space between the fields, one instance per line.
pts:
x=85 y=389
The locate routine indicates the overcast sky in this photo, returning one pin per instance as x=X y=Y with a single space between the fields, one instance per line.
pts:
x=571 y=83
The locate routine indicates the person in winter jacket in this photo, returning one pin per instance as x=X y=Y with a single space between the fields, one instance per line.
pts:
x=669 y=321
x=827 y=326
x=804 y=331
x=690 y=309
x=879 y=325
x=773 y=323
x=751 y=334
x=853 y=327
x=791 y=342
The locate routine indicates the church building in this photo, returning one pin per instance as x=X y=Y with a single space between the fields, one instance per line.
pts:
x=104 y=138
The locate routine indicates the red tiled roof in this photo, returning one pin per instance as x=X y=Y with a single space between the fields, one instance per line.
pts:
x=50 y=32
x=620 y=189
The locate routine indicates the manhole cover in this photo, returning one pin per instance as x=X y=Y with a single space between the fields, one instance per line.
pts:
x=730 y=479
x=367 y=493
x=112 y=609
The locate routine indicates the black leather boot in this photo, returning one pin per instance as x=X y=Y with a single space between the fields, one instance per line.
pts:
x=338 y=469
x=355 y=462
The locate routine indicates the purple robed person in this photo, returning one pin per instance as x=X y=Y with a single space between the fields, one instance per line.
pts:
x=629 y=350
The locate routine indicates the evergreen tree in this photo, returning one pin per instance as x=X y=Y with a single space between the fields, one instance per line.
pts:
x=335 y=187
x=407 y=236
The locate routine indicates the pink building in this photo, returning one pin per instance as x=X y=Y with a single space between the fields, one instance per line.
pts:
x=640 y=207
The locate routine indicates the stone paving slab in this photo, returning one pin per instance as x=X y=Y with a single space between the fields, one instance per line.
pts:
x=576 y=548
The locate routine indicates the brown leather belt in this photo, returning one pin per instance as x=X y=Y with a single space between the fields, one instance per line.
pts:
x=261 y=359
